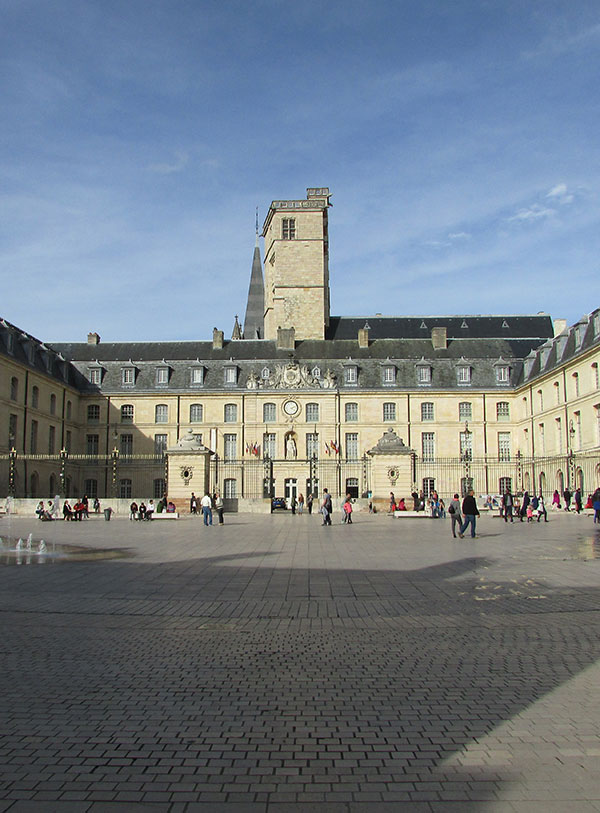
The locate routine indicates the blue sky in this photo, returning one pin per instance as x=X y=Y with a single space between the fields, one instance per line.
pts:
x=460 y=141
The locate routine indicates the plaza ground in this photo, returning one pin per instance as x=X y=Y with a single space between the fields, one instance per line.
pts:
x=275 y=665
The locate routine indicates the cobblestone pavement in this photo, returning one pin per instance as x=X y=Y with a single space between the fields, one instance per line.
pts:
x=275 y=665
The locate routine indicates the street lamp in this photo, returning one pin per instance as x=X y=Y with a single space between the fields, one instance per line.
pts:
x=467 y=457
x=63 y=464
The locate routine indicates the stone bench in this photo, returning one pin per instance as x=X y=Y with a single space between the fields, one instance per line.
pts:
x=412 y=514
x=165 y=515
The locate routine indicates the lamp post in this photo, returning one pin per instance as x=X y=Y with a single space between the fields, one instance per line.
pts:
x=467 y=457
x=12 y=472
x=63 y=465
x=571 y=476
x=115 y=459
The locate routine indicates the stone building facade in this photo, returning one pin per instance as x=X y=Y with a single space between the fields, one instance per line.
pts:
x=301 y=400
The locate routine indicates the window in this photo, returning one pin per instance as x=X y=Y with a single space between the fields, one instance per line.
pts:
x=196 y=376
x=35 y=397
x=576 y=384
x=127 y=413
x=230 y=375
x=126 y=444
x=351 y=446
x=125 y=489
x=502 y=374
x=465 y=411
x=428 y=486
x=33 y=437
x=389 y=374
x=424 y=375
x=12 y=431
x=230 y=488
x=577 y=430
x=541 y=400
x=352 y=487
x=95 y=375
x=92 y=444
x=595 y=376
x=350 y=375
x=428 y=446
x=464 y=375
x=427 y=411
x=504 y=446
x=69 y=409
x=196 y=413
x=312 y=445
x=316 y=372
x=161 y=413
x=230 y=446
x=312 y=413
x=269 y=413
x=525 y=407
x=597 y=408
x=269 y=448
x=162 y=375
x=51 y=439
x=351 y=412
x=128 y=376
x=502 y=411
x=68 y=437
x=53 y=404
x=14 y=388
x=504 y=485
x=389 y=412
x=288 y=231
x=265 y=374
x=159 y=488
x=230 y=413
x=90 y=487
x=557 y=391
x=93 y=413
x=160 y=444
x=542 y=439
x=466 y=445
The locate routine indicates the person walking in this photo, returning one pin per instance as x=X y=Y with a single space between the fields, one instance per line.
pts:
x=596 y=505
x=348 y=510
x=326 y=507
x=541 y=509
x=293 y=504
x=206 y=505
x=219 y=506
x=507 y=505
x=309 y=503
x=567 y=495
x=578 y=500
x=524 y=506
x=301 y=503
x=455 y=515
x=193 y=504
x=470 y=514
x=556 y=501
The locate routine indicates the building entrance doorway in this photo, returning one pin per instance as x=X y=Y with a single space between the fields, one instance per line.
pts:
x=291 y=490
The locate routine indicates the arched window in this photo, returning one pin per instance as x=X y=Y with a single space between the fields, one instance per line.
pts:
x=196 y=413
x=161 y=413
x=53 y=404
x=69 y=409
x=35 y=397
x=14 y=388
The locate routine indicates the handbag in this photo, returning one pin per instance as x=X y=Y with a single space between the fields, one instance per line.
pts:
x=451 y=510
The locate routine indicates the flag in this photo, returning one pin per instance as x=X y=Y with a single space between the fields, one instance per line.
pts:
x=327 y=449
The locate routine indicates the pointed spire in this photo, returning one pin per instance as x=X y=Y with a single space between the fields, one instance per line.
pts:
x=237 y=330
x=255 y=308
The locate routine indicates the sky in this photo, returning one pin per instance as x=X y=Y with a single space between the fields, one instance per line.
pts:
x=460 y=142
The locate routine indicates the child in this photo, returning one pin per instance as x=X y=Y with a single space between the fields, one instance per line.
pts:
x=348 y=511
x=529 y=512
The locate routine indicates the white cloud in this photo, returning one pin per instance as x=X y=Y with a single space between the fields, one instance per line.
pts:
x=561 y=194
x=180 y=162
x=531 y=213
x=459 y=235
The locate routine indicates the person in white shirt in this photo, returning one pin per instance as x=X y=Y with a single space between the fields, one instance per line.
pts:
x=206 y=505
x=150 y=510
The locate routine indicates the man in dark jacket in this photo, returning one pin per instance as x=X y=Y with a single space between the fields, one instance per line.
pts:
x=470 y=513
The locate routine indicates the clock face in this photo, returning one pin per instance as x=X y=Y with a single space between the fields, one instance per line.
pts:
x=290 y=408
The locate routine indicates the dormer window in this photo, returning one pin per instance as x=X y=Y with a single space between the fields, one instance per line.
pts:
x=464 y=374
x=423 y=374
x=265 y=374
x=231 y=375
x=351 y=375
x=316 y=372
x=95 y=375
x=128 y=376
x=197 y=376
x=162 y=376
x=389 y=374
x=502 y=373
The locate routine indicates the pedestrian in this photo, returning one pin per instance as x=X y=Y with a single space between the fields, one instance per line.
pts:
x=556 y=501
x=219 y=506
x=344 y=514
x=470 y=514
x=392 y=503
x=567 y=495
x=529 y=512
x=301 y=503
x=206 y=505
x=193 y=504
x=150 y=510
x=293 y=504
x=541 y=509
x=455 y=515
x=596 y=505
x=142 y=511
x=133 y=510
x=326 y=507
x=507 y=505
x=524 y=506
x=96 y=505
x=348 y=510
x=415 y=499
x=309 y=503
x=578 y=500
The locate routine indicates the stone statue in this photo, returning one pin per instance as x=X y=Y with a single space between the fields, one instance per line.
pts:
x=290 y=448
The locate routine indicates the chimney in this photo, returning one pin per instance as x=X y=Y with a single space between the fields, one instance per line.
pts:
x=217 y=339
x=559 y=326
x=439 y=338
x=93 y=338
x=363 y=335
x=286 y=338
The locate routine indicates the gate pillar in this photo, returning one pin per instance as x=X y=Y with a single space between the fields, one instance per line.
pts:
x=391 y=469
x=188 y=464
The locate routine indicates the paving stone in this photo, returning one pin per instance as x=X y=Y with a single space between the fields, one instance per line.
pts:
x=281 y=666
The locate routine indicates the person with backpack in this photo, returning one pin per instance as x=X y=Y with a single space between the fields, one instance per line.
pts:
x=326 y=507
